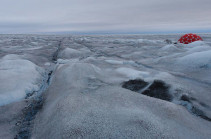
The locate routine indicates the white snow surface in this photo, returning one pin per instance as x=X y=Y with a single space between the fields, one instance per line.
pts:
x=69 y=53
x=85 y=98
x=132 y=74
x=82 y=103
x=196 y=60
x=18 y=77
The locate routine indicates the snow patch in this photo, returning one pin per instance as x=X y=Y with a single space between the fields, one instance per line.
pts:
x=18 y=77
x=131 y=73
x=170 y=48
x=69 y=53
x=114 y=62
x=149 y=41
x=11 y=57
x=196 y=60
x=118 y=62
x=196 y=43
x=77 y=74
x=137 y=41
x=47 y=64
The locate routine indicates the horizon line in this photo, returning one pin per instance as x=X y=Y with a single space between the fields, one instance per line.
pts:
x=208 y=31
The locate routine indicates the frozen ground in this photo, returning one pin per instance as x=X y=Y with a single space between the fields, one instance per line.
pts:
x=109 y=86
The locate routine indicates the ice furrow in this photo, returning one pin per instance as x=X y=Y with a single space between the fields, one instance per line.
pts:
x=35 y=102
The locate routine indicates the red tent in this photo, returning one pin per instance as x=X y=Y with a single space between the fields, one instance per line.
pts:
x=189 y=38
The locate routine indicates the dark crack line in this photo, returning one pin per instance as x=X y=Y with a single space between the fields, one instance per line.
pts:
x=35 y=104
x=55 y=55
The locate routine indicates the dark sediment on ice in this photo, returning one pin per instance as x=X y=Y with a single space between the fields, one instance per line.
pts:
x=135 y=85
x=160 y=90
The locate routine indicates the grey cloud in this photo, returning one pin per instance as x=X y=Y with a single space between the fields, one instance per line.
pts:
x=100 y=15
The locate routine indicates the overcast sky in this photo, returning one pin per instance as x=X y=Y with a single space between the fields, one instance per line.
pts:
x=34 y=16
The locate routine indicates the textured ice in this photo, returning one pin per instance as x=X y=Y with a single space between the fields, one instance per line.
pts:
x=132 y=73
x=69 y=53
x=18 y=77
x=196 y=61
x=114 y=61
x=81 y=104
x=85 y=98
